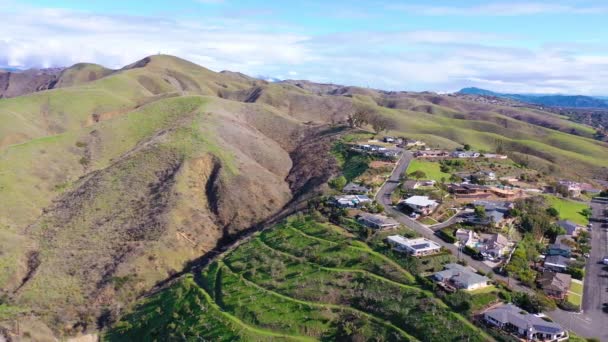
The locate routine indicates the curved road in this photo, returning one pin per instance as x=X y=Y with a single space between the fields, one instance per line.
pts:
x=590 y=323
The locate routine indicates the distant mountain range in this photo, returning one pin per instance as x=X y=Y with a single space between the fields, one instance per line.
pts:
x=573 y=101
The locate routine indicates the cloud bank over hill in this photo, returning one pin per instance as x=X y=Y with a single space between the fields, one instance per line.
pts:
x=376 y=52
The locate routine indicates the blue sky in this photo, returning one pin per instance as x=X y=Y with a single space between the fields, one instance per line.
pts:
x=513 y=46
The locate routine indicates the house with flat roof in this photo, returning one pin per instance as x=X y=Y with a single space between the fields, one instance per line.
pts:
x=420 y=204
x=461 y=277
x=377 y=221
x=415 y=247
x=431 y=154
x=351 y=201
x=354 y=188
x=557 y=263
x=555 y=285
x=511 y=318
x=465 y=154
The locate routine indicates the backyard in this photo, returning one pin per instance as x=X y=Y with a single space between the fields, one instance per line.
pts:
x=430 y=169
x=568 y=209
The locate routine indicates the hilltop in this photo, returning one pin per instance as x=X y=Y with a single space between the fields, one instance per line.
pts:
x=115 y=180
x=571 y=101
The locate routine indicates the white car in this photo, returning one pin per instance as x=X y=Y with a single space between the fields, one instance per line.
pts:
x=605 y=260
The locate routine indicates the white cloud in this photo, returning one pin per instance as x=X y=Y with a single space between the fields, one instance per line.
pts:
x=399 y=60
x=503 y=9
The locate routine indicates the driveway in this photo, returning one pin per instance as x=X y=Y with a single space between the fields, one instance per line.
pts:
x=592 y=322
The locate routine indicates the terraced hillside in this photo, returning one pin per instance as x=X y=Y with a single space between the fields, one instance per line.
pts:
x=301 y=280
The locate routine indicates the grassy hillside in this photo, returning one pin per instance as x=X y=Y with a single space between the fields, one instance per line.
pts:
x=302 y=280
x=118 y=179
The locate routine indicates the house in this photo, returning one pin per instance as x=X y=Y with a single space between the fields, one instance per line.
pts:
x=555 y=285
x=495 y=213
x=469 y=190
x=572 y=188
x=410 y=184
x=531 y=327
x=376 y=221
x=414 y=247
x=429 y=182
x=467 y=237
x=495 y=245
x=465 y=154
x=559 y=248
x=494 y=156
x=351 y=201
x=557 y=263
x=421 y=204
x=570 y=227
x=431 y=154
x=485 y=175
x=353 y=188
x=389 y=140
x=414 y=143
x=461 y=277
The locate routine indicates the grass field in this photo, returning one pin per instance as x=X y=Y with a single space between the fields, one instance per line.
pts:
x=568 y=210
x=302 y=280
x=575 y=295
x=431 y=169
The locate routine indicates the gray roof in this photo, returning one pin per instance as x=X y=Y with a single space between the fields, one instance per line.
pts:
x=569 y=226
x=555 y=281
x=557 y=260
x=355 y=187
x=510 y=313
x=378 y=219
x=461 y=274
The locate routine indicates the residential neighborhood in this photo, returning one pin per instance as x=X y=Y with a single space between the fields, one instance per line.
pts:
x=490 y=229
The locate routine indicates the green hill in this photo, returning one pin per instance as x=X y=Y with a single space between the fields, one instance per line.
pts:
x=118 y=180
x=301 y=280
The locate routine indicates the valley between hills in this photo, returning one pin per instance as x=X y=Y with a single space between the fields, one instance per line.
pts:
x=164 y=201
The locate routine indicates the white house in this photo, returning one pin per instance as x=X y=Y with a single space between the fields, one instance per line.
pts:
x=351 y=201
x=528 y=326
x=467 y=237
x=421 y=204
x=415 y=247
x=461 y=277
x=465 y=154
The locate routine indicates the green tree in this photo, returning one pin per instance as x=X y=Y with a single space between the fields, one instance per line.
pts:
x=467 y=147
x=480 y=212
x=553 y=212
x=418 y=174
x=338 y=183
x=587 y=212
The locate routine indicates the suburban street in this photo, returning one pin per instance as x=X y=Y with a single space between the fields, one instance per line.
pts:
x=591 y=322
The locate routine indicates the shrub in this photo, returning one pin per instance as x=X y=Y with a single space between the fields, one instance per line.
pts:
x=567 y=306
x=338 y=183
x=445 y=236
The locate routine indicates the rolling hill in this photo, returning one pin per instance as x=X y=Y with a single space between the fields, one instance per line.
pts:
x=571 y=101
x=117 y=180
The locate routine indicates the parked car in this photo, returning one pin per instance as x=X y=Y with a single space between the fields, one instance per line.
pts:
x=605 y=260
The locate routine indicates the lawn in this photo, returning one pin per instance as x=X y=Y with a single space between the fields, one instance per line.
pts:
x=568 y=210
x=428 y=221
x=431 y=169
x=575 y=295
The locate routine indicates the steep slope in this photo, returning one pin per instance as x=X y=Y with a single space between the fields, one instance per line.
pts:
x=97 y=214
x=17 y=83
